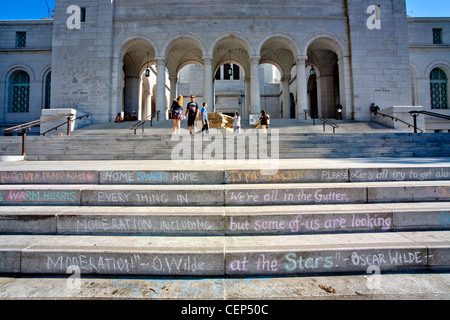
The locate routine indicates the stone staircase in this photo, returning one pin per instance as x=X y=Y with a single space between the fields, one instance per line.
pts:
x=229 y=218
x=291 y=139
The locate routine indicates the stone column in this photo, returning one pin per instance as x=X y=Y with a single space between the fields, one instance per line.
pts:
x=161 y=88
x=148 y=105
x=255 y=106
x=342 y=87
x=285 y=96
x=319 y=96
x=247 y=98
x=173 y=88
x=301 y=87
x=208 y=88
x=117 y=91
x=222 y=72
x=345 y=87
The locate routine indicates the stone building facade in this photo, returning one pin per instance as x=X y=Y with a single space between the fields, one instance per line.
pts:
x=429 y=43
x=25 y=69
x=103 y=57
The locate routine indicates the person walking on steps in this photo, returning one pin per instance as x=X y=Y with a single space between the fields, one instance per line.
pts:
x=192 y=113
x=204 y=116
x=264 y=121
x=339 y=109
x=177 y=113
x=237 y=123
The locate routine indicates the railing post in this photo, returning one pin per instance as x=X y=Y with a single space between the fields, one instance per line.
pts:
x=24 y=142
x=143 y=123
x=415 y=122
x=68 y=125
x=414 y=114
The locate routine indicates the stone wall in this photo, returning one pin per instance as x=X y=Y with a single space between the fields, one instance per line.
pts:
x=34 y=59
x=425 y=56
x=81 y=60
x=380 y=57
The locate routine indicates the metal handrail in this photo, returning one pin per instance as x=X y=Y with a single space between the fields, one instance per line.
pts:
x=398 y=120
x=142 y=122
x=35 y=123
x=324 y=121
x=432 y=114
x=27 y=126
x=62 y=124
x=415 y=114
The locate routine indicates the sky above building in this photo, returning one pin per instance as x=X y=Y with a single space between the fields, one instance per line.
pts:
x=428 y=8
x=37 y=9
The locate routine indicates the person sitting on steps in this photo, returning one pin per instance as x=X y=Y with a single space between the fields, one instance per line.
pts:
x=374 y=109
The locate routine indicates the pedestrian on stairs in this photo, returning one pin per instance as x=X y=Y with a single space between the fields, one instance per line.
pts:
x=374 y=109
x=339 y=109
x=204 y=116
x=192 y=114
x=237 y=123
x=177 y=113
x=264 y=121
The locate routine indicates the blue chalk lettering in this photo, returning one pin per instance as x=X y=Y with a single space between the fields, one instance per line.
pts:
x=445 y=219
x=152 y=176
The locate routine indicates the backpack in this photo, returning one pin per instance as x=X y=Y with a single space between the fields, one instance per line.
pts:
x=174 y=106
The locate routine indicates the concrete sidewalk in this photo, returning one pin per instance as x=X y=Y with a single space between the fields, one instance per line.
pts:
x=393 y=286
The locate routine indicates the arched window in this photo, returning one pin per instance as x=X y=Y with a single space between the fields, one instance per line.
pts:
x=48 y=89
x=438 y=88
x=19 y=83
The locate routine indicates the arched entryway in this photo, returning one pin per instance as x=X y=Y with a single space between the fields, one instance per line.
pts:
x=328 y=82
x=280 y=52
x=324 y=79
x=184 y=53
x=139 y=77
x=229 y=89
x=231 y=80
